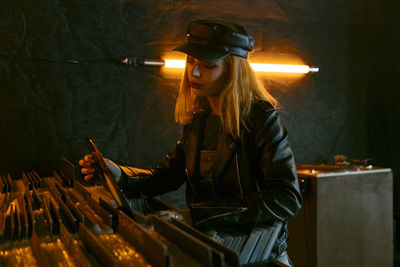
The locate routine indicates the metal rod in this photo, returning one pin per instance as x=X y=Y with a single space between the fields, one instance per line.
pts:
x=153 y=63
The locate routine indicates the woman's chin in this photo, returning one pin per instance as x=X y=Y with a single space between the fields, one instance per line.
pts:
x=197 y=92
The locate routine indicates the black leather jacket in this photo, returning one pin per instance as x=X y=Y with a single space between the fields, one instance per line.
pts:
x=254 y=176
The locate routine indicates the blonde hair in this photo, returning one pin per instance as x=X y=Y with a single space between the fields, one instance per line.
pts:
x=242 y=89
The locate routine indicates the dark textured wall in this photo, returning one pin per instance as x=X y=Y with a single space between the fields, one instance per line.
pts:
x=61 y=79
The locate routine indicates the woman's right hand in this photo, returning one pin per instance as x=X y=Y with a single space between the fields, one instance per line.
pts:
x=89 y=171
x=87 y=164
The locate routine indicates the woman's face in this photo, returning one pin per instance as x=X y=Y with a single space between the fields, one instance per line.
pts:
x=206 y=78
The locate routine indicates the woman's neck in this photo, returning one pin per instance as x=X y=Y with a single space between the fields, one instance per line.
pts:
x=214 y=104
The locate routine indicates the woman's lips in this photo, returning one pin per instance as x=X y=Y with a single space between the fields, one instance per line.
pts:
x=195 y=85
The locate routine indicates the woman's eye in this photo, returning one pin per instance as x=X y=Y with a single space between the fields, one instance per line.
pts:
x=210 y=66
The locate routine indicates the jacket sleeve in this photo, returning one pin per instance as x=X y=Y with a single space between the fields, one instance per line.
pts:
x=279 y=197
x=165 y=177
x=274 y=172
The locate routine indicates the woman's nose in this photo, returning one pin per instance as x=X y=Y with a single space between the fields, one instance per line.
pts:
x=196 y=71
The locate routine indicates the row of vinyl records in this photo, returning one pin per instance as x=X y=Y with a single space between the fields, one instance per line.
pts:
x=55 y=220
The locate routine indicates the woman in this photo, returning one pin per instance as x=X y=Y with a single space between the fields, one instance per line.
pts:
x=234 y=152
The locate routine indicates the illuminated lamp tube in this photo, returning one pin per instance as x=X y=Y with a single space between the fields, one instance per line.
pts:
x=258 y=67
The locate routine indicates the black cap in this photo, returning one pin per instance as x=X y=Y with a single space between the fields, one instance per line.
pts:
x=211 y=40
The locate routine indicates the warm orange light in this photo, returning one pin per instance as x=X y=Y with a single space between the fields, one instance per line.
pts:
x=258 y=67
x=261 y=67
x=175 y=63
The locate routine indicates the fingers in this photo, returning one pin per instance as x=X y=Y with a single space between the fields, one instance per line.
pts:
x=82 y=163
x=87 y=164
x=89 y=177
x=89 y=158
x=87 y=161
x=88 y=172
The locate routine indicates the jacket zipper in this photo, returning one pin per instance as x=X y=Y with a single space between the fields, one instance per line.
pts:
x=238 y=175
x=236 y=212
x=191 y=185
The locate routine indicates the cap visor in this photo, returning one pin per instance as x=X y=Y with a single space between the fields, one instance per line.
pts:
x=202 y=53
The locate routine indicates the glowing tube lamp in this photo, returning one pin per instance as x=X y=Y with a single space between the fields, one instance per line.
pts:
x=258 y=67
x=174 y=63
